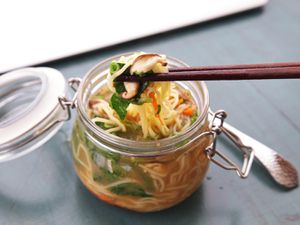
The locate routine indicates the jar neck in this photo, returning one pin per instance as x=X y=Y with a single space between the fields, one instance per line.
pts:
x=95 y=78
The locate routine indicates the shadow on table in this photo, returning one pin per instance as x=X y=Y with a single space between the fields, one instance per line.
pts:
x=257 y=169
x=191 y=211
x=31 y=185
x=48 y=191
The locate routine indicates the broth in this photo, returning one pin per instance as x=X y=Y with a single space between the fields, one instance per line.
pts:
x=159 y=110
x=139 y=183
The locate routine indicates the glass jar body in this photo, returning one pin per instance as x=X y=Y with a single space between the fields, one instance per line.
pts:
x=143 y=176
x=142 y=184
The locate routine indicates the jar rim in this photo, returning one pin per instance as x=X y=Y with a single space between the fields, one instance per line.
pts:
x=121 y=145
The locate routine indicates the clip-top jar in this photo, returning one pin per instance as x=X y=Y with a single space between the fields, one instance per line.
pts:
x=139 y=175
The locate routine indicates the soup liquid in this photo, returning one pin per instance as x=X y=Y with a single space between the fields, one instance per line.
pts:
x=141 y=184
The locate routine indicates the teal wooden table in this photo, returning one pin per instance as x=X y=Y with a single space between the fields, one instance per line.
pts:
x=42 y=188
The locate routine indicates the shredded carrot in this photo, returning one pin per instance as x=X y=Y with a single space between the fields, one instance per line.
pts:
x=132 y=118
x=180 y=101
x=188 y=111
x=104 y=198
x=155 y=105
x=154 y=102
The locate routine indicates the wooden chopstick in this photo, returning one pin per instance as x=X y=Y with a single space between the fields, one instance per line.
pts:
x=229 y=72
x=241 y=66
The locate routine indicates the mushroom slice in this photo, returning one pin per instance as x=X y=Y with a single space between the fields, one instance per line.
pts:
x=132 y=89
x=144 y=63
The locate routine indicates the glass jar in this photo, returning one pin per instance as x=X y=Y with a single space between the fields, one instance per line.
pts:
x=139 y=175
x=143 y=176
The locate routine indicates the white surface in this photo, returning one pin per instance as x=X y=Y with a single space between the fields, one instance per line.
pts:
x=35 y=31
x=53 y=85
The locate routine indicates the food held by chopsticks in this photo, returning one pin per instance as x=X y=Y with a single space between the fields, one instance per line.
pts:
x=143 y=113
x=142 y=110
x=286 y=70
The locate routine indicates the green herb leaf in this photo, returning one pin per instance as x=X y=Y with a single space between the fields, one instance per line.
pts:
x=194 y=118
x=115 y=66
x=119 y=86
x=80 y=131
x=104 y=126
x=104 y=176
x=158 y=109
x=119 y=105
x=99 y=96
x=141 y=74
x=94 y=150
x=130 y=189
x=137 y=100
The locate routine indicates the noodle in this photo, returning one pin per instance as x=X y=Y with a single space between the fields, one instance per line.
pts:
x=163 y=117
x=161 y=109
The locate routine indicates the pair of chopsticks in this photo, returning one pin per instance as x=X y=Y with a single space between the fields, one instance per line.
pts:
x=286 y=70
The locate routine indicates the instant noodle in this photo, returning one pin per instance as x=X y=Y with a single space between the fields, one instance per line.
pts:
x=143 y=165
x=141 y=146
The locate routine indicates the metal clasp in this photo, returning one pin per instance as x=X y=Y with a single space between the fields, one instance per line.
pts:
x=67 y=104
x=211 y=151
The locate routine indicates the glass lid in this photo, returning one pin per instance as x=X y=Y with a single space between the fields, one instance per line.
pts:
x=30 y=113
